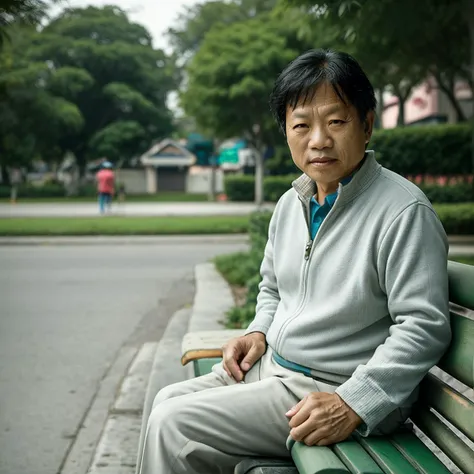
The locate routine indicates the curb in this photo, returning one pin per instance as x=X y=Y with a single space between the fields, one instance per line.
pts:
x=212 y=299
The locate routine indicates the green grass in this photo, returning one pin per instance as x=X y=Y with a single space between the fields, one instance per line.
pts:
x=69 y=226
x=159 y=197
x=466 y=260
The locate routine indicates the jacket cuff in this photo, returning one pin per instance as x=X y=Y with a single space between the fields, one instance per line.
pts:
x=257 y=328
x=368 y=401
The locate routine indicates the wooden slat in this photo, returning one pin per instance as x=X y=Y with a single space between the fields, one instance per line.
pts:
x=315 y=459
x=200 y=354
x=355 y=458
x=458 y=360
x=386 y=455
x=442 y=436
x=461 y=284
x=206 y=344
x=455 y=407
x=418 y=454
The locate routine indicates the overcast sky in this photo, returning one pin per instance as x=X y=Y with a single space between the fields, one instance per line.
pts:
x=156 y=15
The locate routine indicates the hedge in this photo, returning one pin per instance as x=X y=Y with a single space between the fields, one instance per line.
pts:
x=30 y=191
x=241 y=188
x=435 y=149
x=424 y=149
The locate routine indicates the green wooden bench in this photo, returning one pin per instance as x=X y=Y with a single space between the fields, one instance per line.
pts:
x=442 y=414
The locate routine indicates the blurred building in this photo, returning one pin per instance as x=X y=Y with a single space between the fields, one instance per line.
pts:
x=166 y=167
x=428 y=104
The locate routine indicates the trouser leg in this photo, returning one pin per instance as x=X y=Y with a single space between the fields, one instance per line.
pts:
x=209 y=424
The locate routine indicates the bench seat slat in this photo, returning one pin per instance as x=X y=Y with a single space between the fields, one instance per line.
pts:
x=315 y=459
x=355 y=458
x=446 y=439
x=386 y=455
x=455 y=407
x=418 y=454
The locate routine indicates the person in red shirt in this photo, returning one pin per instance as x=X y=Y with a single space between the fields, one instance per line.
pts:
x=105 y=186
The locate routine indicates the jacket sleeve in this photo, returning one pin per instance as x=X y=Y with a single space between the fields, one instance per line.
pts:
x=268 y=297
x=412 y=271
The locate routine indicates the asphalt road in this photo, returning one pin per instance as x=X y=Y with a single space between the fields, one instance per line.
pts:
x=65 y=312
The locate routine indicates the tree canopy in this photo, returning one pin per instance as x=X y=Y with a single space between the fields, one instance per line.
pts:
x=93 y=73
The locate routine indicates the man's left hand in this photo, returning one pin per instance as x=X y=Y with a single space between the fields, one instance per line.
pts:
x=321 y=419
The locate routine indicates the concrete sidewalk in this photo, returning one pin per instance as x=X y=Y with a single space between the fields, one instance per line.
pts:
x=131 y=209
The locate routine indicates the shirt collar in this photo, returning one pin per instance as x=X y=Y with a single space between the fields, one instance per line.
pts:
x=305 y=187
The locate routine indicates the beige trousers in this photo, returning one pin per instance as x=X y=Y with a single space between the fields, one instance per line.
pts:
x=209 y=424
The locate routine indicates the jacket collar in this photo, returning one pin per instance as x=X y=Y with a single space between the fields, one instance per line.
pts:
x=305 y=187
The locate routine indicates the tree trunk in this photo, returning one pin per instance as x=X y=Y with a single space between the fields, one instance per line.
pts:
x=448 y=89
x=401 y=109
x=259 y=172
x=4 y=175
x=380 y=109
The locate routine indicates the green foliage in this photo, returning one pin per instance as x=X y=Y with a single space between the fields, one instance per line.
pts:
x=235 y=267
x=453 y=193
x=457 y=219
x=89 y=83
x=242 y=187
x=221 y=78
x=29 y=191
x=435 y=150
x=239 y=187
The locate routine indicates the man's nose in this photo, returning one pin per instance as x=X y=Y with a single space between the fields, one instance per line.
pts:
x=319 y=138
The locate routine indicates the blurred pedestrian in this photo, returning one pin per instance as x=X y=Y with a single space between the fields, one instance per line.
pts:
x=105 y=186
x=15 y=181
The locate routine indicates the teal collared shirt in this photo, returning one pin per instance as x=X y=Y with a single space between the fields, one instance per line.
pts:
x=319 y=212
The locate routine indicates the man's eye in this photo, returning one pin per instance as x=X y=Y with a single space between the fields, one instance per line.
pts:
x=336 y=122
x=299 y=125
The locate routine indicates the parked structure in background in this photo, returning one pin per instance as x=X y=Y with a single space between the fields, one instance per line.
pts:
x=166 y=166
x=428 y=104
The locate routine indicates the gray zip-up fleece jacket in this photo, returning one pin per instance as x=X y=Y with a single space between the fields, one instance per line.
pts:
x=364 y=306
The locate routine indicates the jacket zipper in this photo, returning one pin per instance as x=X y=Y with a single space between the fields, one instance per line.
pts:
x=307 y=256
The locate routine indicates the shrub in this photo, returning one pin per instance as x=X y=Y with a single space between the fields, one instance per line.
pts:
x=435 y=150
x=453 y=193
x=240 y=187
x=456 y=218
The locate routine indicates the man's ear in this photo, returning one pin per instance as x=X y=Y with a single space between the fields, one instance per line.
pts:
x=369 y=125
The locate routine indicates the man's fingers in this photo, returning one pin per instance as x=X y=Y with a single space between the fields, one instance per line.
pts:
x=252 y=356
x=231 y=355
x=294 y=410
x=299 y=432
x=319 y=437
x=302 y=414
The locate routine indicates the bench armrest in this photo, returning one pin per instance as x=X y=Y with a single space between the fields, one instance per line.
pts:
x=206 y=344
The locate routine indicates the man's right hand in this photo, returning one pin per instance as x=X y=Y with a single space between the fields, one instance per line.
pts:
x=241 y=353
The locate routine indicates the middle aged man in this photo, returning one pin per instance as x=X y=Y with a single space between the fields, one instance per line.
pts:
x=353 y=304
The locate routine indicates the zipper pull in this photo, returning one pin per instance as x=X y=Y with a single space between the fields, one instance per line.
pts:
x=307 y=251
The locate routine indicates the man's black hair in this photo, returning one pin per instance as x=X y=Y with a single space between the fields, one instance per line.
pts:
x=301 y=77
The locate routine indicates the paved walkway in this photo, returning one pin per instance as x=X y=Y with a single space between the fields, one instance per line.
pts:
x=130 y=209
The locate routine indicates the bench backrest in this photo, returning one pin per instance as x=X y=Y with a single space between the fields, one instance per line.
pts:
x=439 y=402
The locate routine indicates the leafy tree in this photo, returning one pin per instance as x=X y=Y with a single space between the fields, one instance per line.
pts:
x=107 y=67
x=230 y=79
x=32 y=116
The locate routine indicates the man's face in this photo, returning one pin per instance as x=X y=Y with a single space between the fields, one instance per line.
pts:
x=326 y=137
